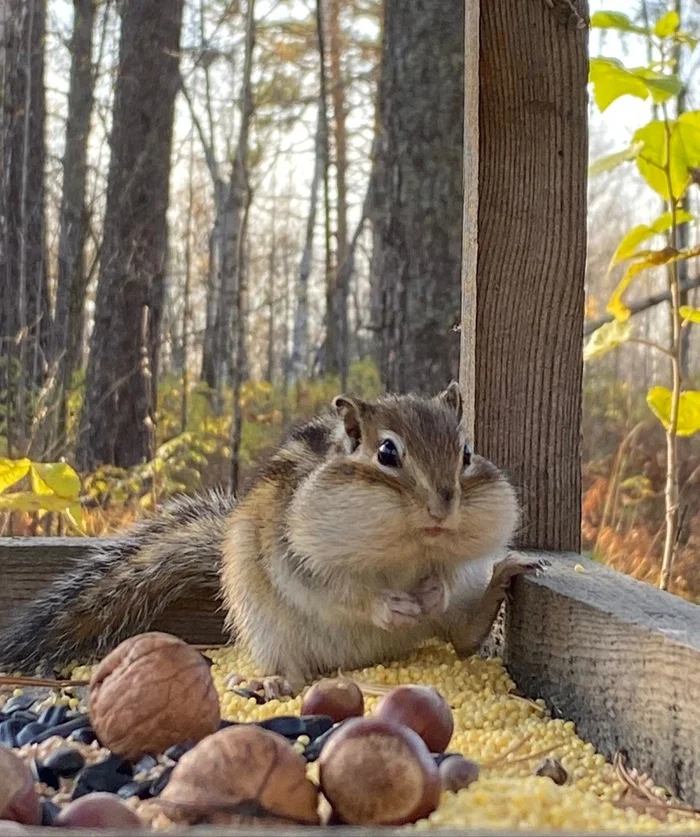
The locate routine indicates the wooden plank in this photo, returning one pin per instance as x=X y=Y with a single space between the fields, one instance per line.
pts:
x=28 y=565
x=619 y=658
x=524 y=252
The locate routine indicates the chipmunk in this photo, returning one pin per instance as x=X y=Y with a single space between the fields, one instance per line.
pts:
x=372 y=528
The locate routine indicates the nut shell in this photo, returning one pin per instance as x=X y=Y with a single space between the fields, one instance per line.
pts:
x=424 y=710
x=339 y=699
x=375 y=772
x=242 y=764
x=19 y=802
x=151 y=692
x=99 y=810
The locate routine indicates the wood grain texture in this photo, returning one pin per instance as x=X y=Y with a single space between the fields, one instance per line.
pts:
x=530 y=251
x=28 y=565
x=619 y=658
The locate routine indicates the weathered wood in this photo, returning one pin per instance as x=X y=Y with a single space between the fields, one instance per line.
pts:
x=619 y=658
x=525 y=183
x=28 y=565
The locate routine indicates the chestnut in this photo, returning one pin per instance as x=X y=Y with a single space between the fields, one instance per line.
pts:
x=338 y=699
x=424 y=710
x=19 y=802
x=376 y=772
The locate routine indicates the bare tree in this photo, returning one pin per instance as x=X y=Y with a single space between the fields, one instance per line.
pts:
x=25 y=316
x=298 y=361
x=417 y=205
x=72 y=275
x=243 y=188
x=117 y=418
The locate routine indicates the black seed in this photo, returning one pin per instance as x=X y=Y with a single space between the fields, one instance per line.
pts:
x=9 y=730
x=29 y=733
x=140 y=789
x=158 y=785
x=62 y=730
x=248 y=693
x=144 y=764
x=316 y=725
x=15 y=703
x=438 y=758
x=44 y=774
x=49 y=811
x=287 y=725
x=178 y=751
x=65 y=762
x=24 y=715
x=86 y=735
x=53 y=716
x=105 y=776
x=313 y=749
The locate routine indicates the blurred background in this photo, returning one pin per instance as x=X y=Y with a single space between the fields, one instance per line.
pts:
x=217 y=214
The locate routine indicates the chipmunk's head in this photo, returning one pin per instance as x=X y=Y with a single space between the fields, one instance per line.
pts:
x=403 y=479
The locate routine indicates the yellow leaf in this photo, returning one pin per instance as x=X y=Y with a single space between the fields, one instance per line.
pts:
x=28 y=501
x=627 y=247
x=12 y=471
x=646 y=258
x=689 y=313
x=55 y=478
x=659 y=401
x=605 y=338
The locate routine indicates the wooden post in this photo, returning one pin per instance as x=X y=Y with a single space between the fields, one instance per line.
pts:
x=524 y=252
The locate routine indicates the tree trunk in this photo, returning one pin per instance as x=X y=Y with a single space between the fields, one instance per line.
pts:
x=524 y=254
x=417 y=207
x=72 y=275
x=271 y=289
x=25 y=315
x=337 y=349
x=243 y=188
x=298 y=362
x=117 y=418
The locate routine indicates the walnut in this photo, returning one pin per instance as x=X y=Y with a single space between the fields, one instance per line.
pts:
x=242 y=774
x=151 y=692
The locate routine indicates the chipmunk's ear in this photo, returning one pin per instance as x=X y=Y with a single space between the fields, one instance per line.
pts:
x=452 y=398
x=350 y=410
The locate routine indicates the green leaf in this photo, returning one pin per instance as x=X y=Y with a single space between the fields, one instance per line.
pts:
x=12 y=471
x=659 y=400
x=605 y=338
x=662 y=87
x=642 y=232
x=55 y=478
x=667 y=25
x=616 y=20
x=692 y=315
x=645 y=259
x=612 y=161
x=611 y=80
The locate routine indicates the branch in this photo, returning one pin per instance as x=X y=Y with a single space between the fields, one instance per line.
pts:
x=643 y=305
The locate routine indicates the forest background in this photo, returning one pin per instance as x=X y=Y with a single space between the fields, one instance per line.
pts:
x=217 y=214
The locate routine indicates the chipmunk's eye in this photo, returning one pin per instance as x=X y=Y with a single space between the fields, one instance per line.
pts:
x=388 y=454
x=466 y=455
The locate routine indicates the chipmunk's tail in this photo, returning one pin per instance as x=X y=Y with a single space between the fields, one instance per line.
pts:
x=119 y=589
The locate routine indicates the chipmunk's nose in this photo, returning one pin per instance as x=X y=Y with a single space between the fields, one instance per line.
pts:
x=440 y=503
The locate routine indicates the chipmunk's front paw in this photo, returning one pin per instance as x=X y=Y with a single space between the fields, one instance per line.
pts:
x=432 y=594
x=273 y=687
x=514 y=565
x=394 y=610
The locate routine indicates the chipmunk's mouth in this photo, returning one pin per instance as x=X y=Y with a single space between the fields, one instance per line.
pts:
x=434 y=531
